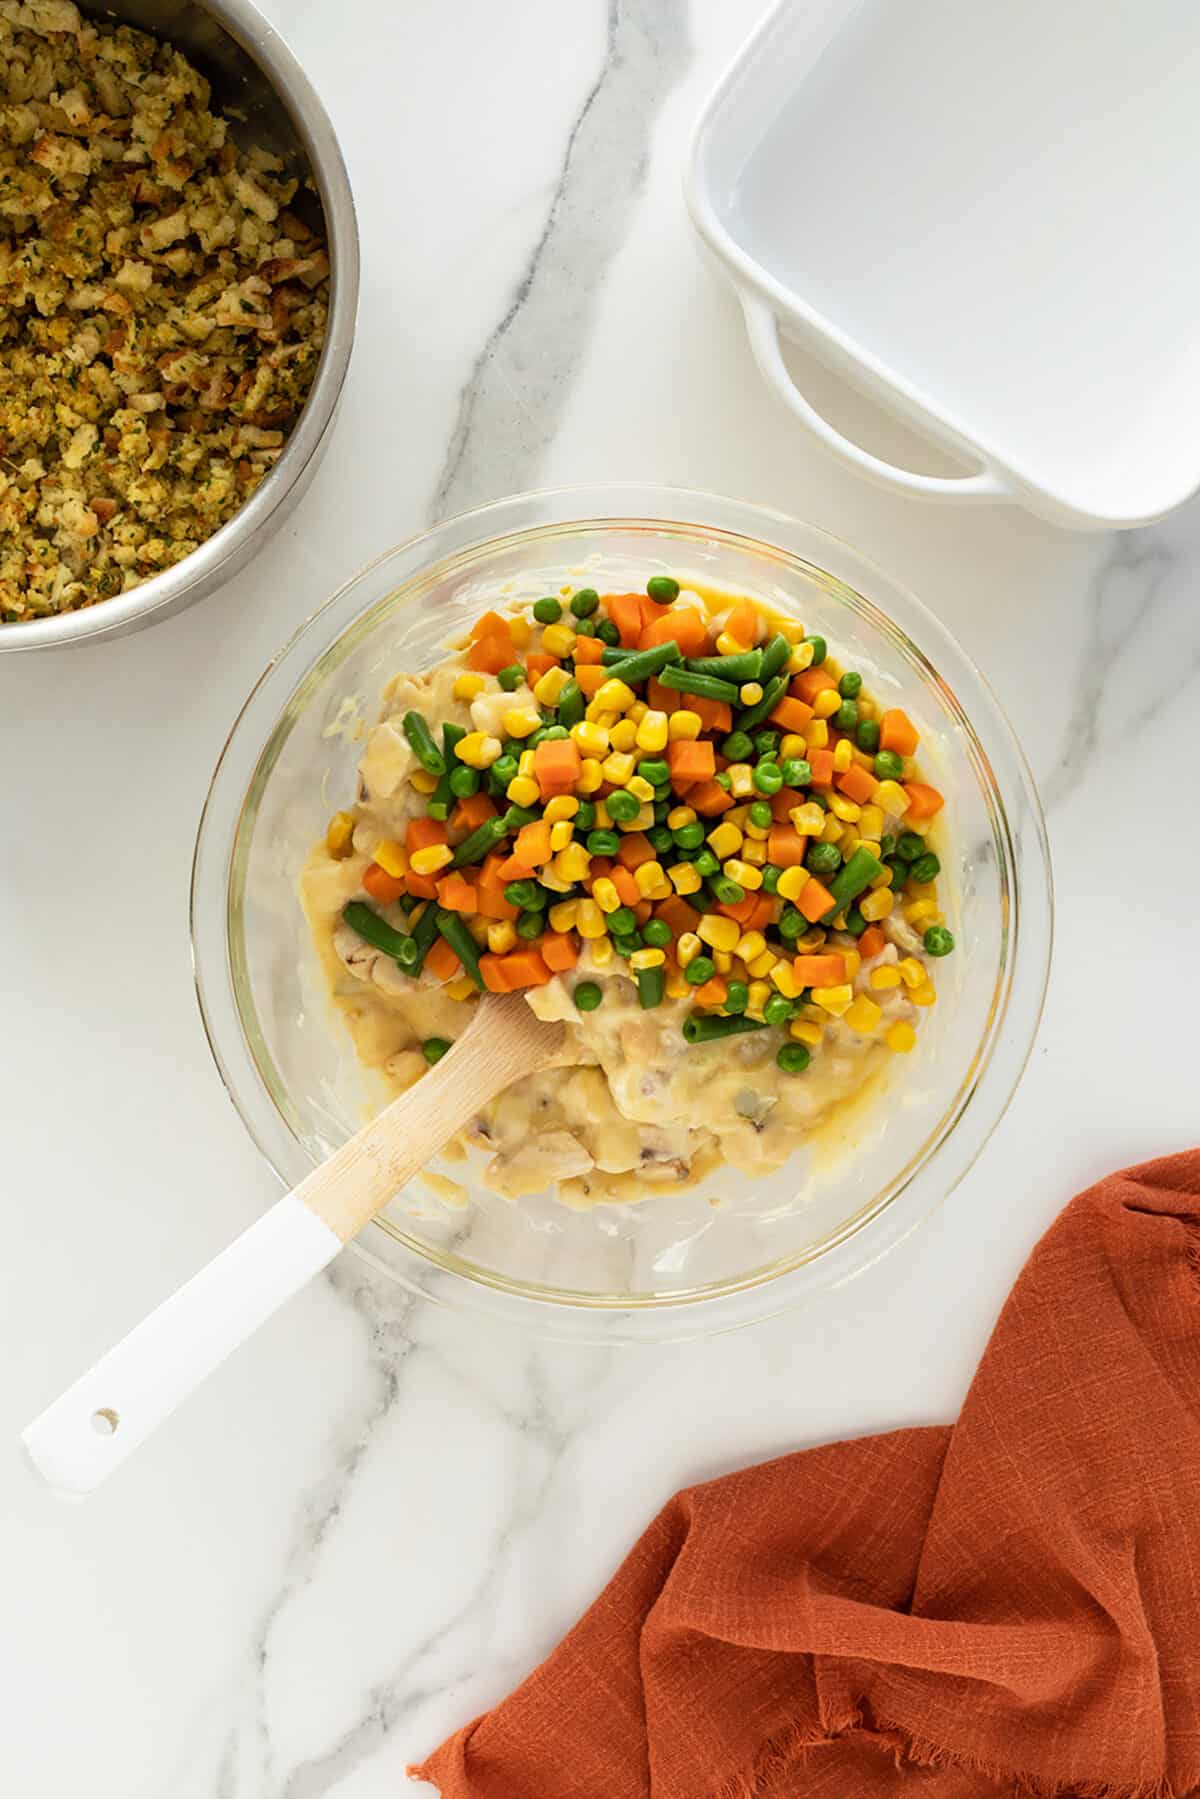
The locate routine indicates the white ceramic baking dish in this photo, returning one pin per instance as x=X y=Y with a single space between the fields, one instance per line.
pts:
x=984 y=218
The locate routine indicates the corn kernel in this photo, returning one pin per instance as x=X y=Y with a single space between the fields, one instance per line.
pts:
x=603 y=817
x=523 y=790
x=720 y=932
x=826 y=703
x=728 y=645
x=870 y=821
x=591 y=740
x=811 y=940
x=792 y=882
x=923 y=995
x=501 y=937
x=751 y=944
x=762 y=965
x=790 y=628
x=602 y=952
x=678 y=986
x=650 y=878
x=756 y=833
x=468 y=687
x=546 y=691
x=644 y=820
x=597 y=715
x=848 y=842
x=684 y=726
x=843 y=755
x=725 y=840
x=808 y=819
x=684 y=878
x=478 y=750
x=741 y=780
x=563 y=805
x=623 y=735
x=428 y=861
x=653 y=731
x=744 y=873
x=853 y=962
x=572 y=862
x=640 y=788
x=522 y=630
x=892 y=798
x=461 y=988
x=423 y=781
x=646 y=958
x=816 y=734
x=863 y=1015
x=832 y=830
x=614 y=696
x=876 y=904
x=591 y=776
x=841 y=807
x=638 y=711
x=561 y=834
x=558 y=640
x=750 y=693
x=885 y=977
x=901 y=1037
x=800 y=659
x=562 y=917
x=784 y=977
x=339 y=836
x=688 y=948
x=522 y=721
x=805 y=1033
x=548 y=878
x=760 y=993
x=392 y=857
x=605 y=894
x=618 y=767
x=912 y=972
x=921 y=914
x=589 y=920
x=525 y=763
x=790 y=744
x=679 y=816
x=836 y=1000
x=873 y=844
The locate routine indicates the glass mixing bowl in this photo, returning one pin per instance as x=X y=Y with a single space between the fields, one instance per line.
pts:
x=733 y=1248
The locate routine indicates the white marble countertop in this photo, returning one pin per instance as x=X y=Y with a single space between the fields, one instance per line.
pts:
x=379 y=1516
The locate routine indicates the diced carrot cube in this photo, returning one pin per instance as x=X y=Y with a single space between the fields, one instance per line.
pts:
x=472 y=812
x=532 y=844
x=664 y=699
x=642 y=911
x=791 y=714
x=821 y=763
x=626 y=611
x=635 y=849
x=490 y=624
x=537 y=663
x=524 y=968
x=714 y=715
x=491 y=903
x=816 y=900
x=494 y=977
x=513 y=869
x=713 y=992
x=628 y=891
x=923 y=801
x=677 y=915
x=441 y=961
x=785 y=846
x=556 y=766
x=680 y=624
x=588 y=650
x=456 y=893
x=488 y=655
x=560 y=950
x=827 y=970
x=810 y=683
x=871 y=942
x=897 y=732
x=382 y=886
x=782 y=803
x=858 y=784
x=590 y=675
x=421 y=886
x=743 y=623
x=709 y=798
x=689 y=761
x=422 y=833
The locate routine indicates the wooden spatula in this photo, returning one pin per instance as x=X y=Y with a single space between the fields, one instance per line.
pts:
x=90 y=1430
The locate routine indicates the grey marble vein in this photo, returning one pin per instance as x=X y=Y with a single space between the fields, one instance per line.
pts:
x=511 y=404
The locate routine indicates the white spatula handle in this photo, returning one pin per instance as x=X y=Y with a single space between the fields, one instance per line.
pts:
x=85 y=1434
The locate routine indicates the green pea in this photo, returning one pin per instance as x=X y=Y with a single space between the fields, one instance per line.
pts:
x=699 y=970
x=662 y=589
x=585 y=627
x=823 y=859
x=602 y=843
x=889 y=844
x=925 y=868
x=657 y=933
x=510 y=678
x=623 y=807
x=530 y=925
x=522 y=894
x=766 y=743
x=585 y=818
x=705 y=863
x=628 y=946
x=534 y=738
x=888 y=766
x=820 y=649
x=553 y=734
x=761 y=814
x=910 y=845
x=689 y=837
x=660 y=839
x=846 y=716
x=723 y=780
x=777 y=1009
x=767 y=777
x=938 y=940
x=654 y=771
x=737 y=747
x=738 y=997
x=662 y=807
x=792 y=924
x=850 y=686
x=793 y=1058
x=434 y=1048
x=770 y=875
x=464 y=781
x=503 y=770
x=607 y=632
x=855 y=923
x=900 y=870
x=547 y=611
x=587 y=996
x=622 y=922
x=796 y=771
x=585 y=602
x=866 y=735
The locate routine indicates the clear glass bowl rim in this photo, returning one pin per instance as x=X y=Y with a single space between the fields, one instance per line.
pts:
x=1024 y=976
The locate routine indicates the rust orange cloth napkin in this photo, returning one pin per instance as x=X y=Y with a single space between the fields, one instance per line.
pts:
x=1010 y=1605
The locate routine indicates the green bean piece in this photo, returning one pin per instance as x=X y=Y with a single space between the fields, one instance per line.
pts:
x=722 y=779
x=516 y=816
x=852 y=879
x=651 y=986
x=726 y=890
x=626 y=946
x=423 y=934
x=587 y=996
x=770 y=875
x=585 y=602
x=925 y=868
x=657 y=933
x=775 y=653
x=480 y=843
x=638 y=667
x=434 y=1048
x=705 y=863
x=850 y=686
x=699 y=1027
x=423 y=746
x=376 y=931
x=938 y=940
x=773 y=692
x=699 y=970
x=866 y=735
x=523 y=895
x=662 y=589
x=888 y=766
x=746 y=666
x=571 y=704
x=794 y=1058
x=855 y=923
x=452 y=928
x=737 y=747
x=438 y=809
x=547 y=611
x=682 y=680
x=820 y=650
x=738 y=997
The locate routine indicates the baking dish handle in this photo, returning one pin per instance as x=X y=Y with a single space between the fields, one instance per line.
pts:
x=763 y=329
